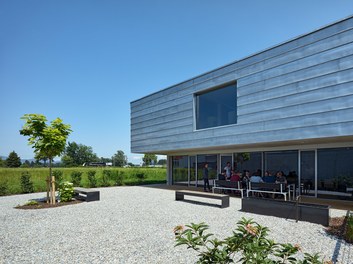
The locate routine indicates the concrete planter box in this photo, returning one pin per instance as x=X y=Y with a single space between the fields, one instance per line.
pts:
x=313 y=213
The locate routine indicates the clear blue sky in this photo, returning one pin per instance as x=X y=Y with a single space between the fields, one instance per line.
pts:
x=85 y=61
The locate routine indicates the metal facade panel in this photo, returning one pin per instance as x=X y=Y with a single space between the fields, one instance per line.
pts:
x=302 y=89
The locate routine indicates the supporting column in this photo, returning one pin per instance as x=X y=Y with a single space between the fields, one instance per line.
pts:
x=169 y=171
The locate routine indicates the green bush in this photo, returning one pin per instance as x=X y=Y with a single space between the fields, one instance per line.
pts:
x=349 y=229
x=107 y=175
x=66 y=191
x=249 y=240
x=140 y=177
x=39 y=175
x=26 y=183
x=32 y=202
x=4 y=188
x=58 y=174
x=119 y=178
x=76 y=177
x=92 y=178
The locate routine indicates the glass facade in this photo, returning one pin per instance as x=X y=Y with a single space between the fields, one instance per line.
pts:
x=307 y=172
x=224 y=160
x=212 y=167
x=192 y=164
x=180 y=169
x=335 y=172
x=251 y=161
x=324 y=173
x=216 y=107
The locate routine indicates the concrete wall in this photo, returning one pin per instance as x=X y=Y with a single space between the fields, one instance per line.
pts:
x=301 y=89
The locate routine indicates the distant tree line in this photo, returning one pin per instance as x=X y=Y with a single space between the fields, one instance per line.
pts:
x=76 y=155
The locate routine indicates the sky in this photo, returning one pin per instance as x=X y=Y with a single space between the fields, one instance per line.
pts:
x=86 y=60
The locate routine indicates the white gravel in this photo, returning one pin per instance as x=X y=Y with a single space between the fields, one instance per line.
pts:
x=135 y=225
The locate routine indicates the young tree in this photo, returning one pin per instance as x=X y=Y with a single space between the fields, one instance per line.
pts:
x=47 y=141
x=149 y=159
x=119 y=159
x=13 y=160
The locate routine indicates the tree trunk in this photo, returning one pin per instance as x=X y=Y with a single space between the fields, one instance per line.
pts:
x=48 y=187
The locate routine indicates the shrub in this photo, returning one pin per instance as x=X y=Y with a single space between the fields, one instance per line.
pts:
x=76 y=177
x=66 y=191
x=4 y=188
x=92 y=179
x=58 y=174
x=140 y=176
x=26 y=183
x=119 y=178
x=107 y=174
x=248 y=244
x=32 y=202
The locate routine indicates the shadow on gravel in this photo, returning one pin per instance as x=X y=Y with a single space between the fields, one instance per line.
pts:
x=201 y=203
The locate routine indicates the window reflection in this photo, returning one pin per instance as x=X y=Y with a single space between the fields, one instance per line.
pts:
x=286 y=161
x=335 y=172
x=217 y=107
x=212 y=167
x=251 y=161
x=180 y=170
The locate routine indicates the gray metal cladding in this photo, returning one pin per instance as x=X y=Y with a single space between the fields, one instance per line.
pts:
x=300 y=89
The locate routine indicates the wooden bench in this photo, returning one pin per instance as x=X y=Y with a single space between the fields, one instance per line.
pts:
x=179 y=196
x=87 y=195
x=228 y=185
x=263 y=187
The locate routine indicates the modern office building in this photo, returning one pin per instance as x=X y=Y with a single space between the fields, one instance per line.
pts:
x=288 y=108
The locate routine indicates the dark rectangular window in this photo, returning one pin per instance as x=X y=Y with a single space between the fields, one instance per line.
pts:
x=335 y=173
x=216 y=107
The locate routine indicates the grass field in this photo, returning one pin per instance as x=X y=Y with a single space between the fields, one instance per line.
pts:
x=10 y=178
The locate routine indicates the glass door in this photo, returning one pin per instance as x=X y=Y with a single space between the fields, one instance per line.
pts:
x=307 y=182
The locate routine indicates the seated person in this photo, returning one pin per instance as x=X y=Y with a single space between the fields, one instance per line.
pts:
x=235 y=176
x=222 y=176
x=280 y=178
x=269 y=178
x=256 y=178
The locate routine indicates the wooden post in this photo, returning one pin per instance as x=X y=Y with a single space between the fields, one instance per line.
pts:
x=50 y=193
x=52 y=189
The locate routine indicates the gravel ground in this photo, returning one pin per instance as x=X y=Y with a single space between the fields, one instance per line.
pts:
x=135 y=225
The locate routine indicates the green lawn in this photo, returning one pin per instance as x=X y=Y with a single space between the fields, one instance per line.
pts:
x=10 y=178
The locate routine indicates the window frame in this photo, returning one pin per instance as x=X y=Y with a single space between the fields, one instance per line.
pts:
x=218 y=87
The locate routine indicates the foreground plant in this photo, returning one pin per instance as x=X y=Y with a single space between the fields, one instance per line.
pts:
x=31 y=202
x=248 y=244
x=66 y=191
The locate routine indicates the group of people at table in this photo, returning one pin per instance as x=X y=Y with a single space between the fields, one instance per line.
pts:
x=229 y=174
